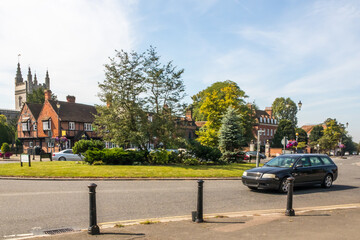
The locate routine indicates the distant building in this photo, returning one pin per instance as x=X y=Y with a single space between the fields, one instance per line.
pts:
x=44 y=125
x=23 y=88
x=11 y=115
x=264 y=120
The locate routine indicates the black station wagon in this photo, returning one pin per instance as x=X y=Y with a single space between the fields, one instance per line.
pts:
x=305 y=168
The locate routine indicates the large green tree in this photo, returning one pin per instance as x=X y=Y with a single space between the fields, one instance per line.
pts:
x=214 y=108
x=142 y=98
x=199 y=98
x=38 y=96
x=301 y=135
x=285 y=108
x=165 y=90
x=285 y=129
x=6 y=132
x=332 y=134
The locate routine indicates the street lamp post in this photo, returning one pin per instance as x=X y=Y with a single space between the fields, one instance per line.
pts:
x=297 y=136
x=258 y=147
x=299 y=105
x=59 y=131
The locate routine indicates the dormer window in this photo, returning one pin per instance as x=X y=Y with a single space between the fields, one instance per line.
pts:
x=25 y=125
x=47 y=125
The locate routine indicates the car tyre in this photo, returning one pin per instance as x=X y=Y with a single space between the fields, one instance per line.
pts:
x=327 y=182
x=62 y=159
x=283 y=187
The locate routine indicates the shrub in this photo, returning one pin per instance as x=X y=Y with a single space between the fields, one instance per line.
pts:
x=232 y=157
x=83 y=145
x=159 y=157
x=204 y=153
x=115 y=156
x=191 y=161
x=5 y=148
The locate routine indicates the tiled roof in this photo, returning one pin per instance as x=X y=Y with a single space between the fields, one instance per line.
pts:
x=35 y=109
x=76 y=112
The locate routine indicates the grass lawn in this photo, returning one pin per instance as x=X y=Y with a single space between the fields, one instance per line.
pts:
x=81 y=170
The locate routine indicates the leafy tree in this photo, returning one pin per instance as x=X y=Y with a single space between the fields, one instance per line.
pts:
x=350 y=146
x=214 y=108
x=38 y=96
x=5 y=131
x=165 y=90
x=302 y=135
x=285 y=129
x=285 y=109
x=142 y=97
x=332 y=134
x=316 y=133
x=230 y=133
x=199 y=98
x=123 y=119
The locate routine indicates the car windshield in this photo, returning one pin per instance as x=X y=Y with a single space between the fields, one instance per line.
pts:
x=282 y=161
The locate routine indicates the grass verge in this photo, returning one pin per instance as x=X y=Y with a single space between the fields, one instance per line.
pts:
x=81 y=170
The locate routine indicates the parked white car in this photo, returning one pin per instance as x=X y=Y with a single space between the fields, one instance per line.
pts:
x=67 y=155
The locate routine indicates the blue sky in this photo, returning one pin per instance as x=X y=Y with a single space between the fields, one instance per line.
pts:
x=305 y=50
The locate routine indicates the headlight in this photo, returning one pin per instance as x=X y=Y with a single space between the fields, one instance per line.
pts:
x=268 y=175
x=245 y=174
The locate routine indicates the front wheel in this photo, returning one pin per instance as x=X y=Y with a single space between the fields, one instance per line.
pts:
x=62 y=159
x=284 y=187
x=327 y=182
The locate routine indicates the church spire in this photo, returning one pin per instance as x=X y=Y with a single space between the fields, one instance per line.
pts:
x=47 y=80
x=35 y=79
x=29 y=76
x=18 y=78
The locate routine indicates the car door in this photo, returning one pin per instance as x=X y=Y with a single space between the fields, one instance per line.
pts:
x=68 y=155
x=303 y=172
x=318 y=168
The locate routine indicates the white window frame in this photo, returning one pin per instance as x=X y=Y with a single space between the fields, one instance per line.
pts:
x=47 y=125
x=271 y=131
x=88 y=127
x=51 y=144
x=30 y=144
x=25 y=126
x=268 y=132
x=71 y=125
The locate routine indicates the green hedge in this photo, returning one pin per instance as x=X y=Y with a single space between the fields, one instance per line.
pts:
x=116 y=156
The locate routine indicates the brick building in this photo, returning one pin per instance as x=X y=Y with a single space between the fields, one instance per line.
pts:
x=45 y=125
x=264 y=120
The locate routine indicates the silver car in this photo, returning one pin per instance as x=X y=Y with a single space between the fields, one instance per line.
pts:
x=67 y=155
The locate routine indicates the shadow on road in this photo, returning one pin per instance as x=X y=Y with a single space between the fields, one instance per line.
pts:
x=123 y=234
x=308 y=189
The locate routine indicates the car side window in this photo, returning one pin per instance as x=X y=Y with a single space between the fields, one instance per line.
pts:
x=326 y=161
x=315 y=161
x=305 y=162
x=68 y=151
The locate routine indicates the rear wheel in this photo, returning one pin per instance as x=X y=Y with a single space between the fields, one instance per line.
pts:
x=327 y=182
x=283 y=187
x=62 y=159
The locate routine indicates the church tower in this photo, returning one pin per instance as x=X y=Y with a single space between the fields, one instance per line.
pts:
x=20 y=89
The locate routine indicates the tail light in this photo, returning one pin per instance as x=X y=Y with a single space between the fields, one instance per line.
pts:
x=53 y=154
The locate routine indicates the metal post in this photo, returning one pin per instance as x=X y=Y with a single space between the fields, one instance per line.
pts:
x=199 y=217
x=289 y=210
x=93 y=228
x=258 y=147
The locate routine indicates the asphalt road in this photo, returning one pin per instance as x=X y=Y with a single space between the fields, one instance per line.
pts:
x=26 y=204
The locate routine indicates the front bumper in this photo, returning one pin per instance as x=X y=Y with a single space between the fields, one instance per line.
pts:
x=265 y=183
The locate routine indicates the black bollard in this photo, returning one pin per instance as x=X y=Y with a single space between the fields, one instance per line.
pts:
x=93 y=228
x=199 y=217
x=289 y=209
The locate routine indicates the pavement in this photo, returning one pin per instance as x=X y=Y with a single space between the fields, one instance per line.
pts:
x=322 y=222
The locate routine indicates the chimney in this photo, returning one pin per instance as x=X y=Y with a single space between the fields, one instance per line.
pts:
x=188 y=114
x=47 y=94
x=70 y=99
x=269 y=111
